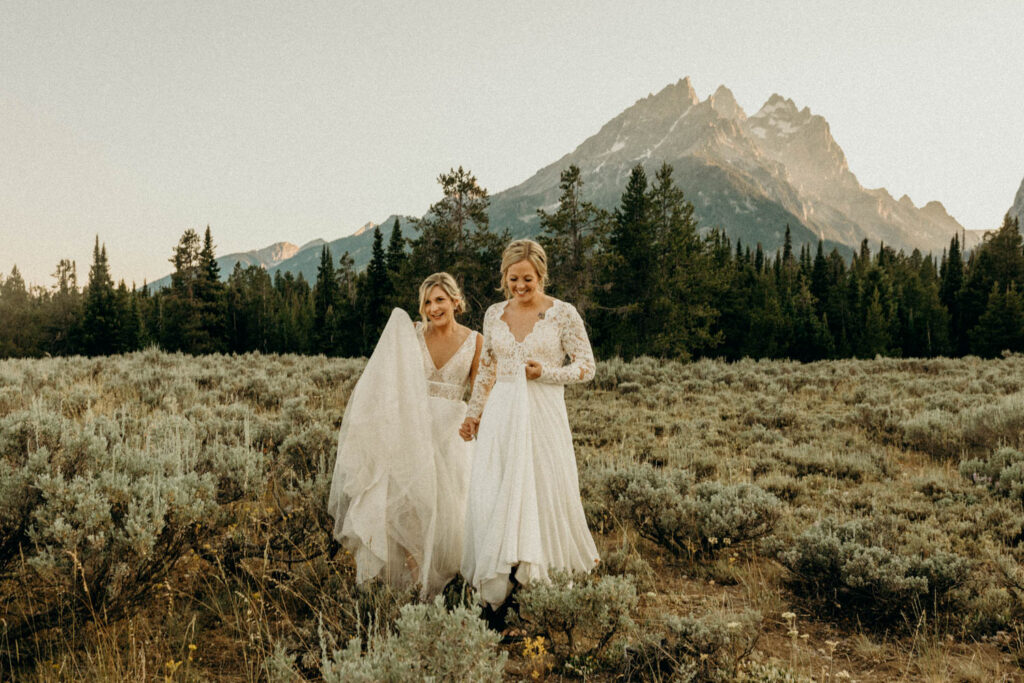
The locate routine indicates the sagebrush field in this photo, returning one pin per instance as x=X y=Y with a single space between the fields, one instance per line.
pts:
x=164 y=517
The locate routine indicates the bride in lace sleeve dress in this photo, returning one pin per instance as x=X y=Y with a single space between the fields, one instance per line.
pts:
x=524 y=516
x=398 y=495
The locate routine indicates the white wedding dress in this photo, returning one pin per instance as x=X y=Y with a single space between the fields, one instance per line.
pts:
x=398 y=496
x=524 y=508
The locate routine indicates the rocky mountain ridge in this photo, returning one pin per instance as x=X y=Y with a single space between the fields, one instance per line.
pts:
x=749 y=175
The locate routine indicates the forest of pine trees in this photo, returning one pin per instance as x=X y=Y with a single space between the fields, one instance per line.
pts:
x=646 y=281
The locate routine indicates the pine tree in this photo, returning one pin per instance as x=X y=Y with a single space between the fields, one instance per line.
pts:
x=950 y=292
x=455 y=236
x=686 y=279
x=15 y=316
x=66 y=313
x=99 y=317
x=1001 y=326
x=376 y=294
x=397 y=259
x=627 y=282
x=181 y=317
x=129 y=324
x=570 y=237
x=325 y=303
x=210 y=301
x=999 y=260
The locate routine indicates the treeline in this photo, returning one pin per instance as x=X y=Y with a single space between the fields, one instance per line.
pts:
x=646 y=281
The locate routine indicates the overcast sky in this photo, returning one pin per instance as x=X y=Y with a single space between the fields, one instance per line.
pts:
x=291 y=121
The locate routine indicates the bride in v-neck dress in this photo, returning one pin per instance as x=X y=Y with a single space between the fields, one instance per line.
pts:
x=524 y=513
x=398 y=495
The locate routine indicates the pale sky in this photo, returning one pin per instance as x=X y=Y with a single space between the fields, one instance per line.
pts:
x=291 y=121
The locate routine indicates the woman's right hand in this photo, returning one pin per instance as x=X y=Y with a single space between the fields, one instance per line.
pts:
x=468 y=429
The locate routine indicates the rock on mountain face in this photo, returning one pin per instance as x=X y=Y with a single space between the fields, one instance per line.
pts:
x=751 y=176
x=1017 y=209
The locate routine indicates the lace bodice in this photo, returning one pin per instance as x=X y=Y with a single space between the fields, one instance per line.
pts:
x=450 y=380
x=556 y=336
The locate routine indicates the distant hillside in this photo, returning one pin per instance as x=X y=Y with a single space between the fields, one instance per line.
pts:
x=359 y=246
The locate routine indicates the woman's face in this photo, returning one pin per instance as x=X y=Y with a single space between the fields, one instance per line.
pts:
x=522 y=280
x=440 y=308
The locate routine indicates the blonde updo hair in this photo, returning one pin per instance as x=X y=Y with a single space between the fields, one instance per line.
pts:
x=524 y=250
x=450 y=287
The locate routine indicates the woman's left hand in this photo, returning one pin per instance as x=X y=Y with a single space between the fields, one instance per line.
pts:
x=533 y=369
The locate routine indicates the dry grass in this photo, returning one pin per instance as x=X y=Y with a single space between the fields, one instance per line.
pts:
x=826 y=438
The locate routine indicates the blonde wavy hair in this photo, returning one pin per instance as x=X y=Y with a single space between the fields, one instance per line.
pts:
x=524 y=250
x=446 y=282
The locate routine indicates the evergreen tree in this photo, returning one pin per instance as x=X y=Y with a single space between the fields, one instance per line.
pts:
x=66 y=312
x=376 y=294
x=626 y=293
x=325 y=303
x=16 y=317
x=402 y=294
x=999 y=260
x=1001 y=326
x=210 y=301
x=348 y=323
x=950 y=292
x=455 y=236
x=251 y=302
x=99 y=317
x=181 y=315
x=129 y=324
x=570 y=237
x=686 y=280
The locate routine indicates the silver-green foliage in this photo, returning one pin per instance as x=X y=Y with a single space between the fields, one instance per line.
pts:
x=710 y=648
x=578 y=614
x=863 y=567
x=1002 y=473
x=429 y=644
x=689 y=519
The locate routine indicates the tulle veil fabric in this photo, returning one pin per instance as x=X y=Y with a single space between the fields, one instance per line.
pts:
x=384 y=491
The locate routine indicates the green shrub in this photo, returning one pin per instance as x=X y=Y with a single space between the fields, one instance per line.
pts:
x=429 y=643
x=578 y=614
x=687 y=648
x=687 y=519
x=1002 y=473
x=862 y=568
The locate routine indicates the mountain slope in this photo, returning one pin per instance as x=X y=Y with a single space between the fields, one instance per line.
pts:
x=359 y=246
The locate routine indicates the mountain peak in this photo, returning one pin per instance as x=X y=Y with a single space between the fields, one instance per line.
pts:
x=723 y=101
x=777 y=104
x=680 y=94
x=370 y=225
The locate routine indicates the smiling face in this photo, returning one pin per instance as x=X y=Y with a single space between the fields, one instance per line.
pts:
x=438 y=307
x=522 y=281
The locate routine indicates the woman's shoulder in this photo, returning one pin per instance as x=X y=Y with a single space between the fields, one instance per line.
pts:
x=495 y=310
x=563 y=308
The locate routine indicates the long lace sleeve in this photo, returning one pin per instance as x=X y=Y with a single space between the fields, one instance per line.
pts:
x=485 y=373
x=576 y=345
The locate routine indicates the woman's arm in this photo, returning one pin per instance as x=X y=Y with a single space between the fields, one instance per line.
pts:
x=576 y=344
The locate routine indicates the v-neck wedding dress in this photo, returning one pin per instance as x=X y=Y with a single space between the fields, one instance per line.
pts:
x=524 y=508
x=398 y=496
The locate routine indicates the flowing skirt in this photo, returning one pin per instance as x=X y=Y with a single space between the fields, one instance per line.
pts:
x=398 y=494
x=524 y=508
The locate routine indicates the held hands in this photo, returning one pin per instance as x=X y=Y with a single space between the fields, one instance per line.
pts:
x=533 y=369
x=468 y=429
